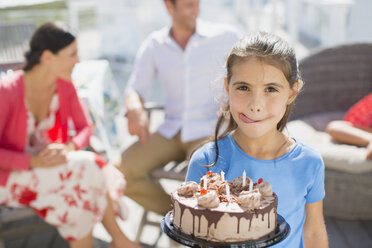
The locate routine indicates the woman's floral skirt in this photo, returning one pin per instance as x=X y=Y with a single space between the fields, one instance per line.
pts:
x=71 y=197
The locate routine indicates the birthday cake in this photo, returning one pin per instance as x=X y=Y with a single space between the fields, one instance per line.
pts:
x=219 y=211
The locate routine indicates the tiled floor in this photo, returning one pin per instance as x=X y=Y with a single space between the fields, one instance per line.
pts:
x=341 y=233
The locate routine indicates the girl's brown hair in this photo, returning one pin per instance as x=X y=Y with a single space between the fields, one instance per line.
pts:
x=269 y=49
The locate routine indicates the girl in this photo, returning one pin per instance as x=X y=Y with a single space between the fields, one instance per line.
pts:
x=39 y=166
x=262 y=83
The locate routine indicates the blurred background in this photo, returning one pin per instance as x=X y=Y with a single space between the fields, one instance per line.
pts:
x=114 y=29
x=111 y=31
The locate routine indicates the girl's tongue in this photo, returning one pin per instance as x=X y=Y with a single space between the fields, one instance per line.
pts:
x=245 y=119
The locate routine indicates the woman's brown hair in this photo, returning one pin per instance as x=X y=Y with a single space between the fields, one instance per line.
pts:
x=52 y=36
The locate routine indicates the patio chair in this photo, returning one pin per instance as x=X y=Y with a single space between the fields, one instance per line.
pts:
x=14 y=41
x=336 y=78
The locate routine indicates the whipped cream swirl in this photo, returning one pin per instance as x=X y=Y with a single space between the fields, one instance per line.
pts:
x=209 y=200
x=188 y=188
x=250 y=199
x=265 y=189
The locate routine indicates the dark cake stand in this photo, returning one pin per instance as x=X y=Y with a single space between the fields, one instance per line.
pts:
x=280 y=234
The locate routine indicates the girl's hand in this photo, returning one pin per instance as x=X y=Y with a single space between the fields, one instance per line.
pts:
x=53 y=155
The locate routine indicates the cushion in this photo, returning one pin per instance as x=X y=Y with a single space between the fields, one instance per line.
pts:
x=320 y=121
x=341 y=157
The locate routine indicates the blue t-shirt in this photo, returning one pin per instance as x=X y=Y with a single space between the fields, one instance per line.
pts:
x=296 y=177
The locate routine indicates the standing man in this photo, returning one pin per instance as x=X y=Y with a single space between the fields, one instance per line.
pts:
x=186 y=58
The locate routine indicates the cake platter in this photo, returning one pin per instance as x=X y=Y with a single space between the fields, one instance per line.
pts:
x=280 y=234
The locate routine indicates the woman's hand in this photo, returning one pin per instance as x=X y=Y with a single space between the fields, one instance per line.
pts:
x=53 y=155
x=70 y=146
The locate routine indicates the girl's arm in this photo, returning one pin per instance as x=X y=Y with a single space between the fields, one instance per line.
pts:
x=315 y=233
x=345 y=132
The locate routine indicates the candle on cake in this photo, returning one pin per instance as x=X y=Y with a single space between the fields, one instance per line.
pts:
x=244 y=178
x=228 y=192
x=222 y=175
x=205 y=183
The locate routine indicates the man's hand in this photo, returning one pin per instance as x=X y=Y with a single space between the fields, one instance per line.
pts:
x=53 y=155
x=138 y=123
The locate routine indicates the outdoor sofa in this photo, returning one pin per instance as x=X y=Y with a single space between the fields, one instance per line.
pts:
x=336 y=78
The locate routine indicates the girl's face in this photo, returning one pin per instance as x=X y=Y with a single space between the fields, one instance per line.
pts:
x=259 y=94
x=64 y=61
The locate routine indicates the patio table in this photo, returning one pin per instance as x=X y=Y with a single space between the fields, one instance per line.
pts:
x=98 y=90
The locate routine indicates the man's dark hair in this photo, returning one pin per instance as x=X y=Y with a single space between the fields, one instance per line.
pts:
x=173 y=1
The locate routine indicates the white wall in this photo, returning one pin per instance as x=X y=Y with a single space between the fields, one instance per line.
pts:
x=361 y=21
x=123 y=24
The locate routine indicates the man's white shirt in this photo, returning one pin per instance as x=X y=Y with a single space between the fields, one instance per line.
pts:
x=191 y=78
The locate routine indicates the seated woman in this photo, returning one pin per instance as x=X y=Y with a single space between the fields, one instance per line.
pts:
x=356 y=128
x=40 y=166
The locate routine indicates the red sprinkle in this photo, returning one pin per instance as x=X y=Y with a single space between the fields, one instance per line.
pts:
x=203 y=191
x=209 y=173
x=260 y=180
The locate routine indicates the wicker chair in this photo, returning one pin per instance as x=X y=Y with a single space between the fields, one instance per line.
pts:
x=336 y=78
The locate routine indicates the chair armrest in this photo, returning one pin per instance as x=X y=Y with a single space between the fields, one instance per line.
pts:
x=152 y=106
x=11 y=66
